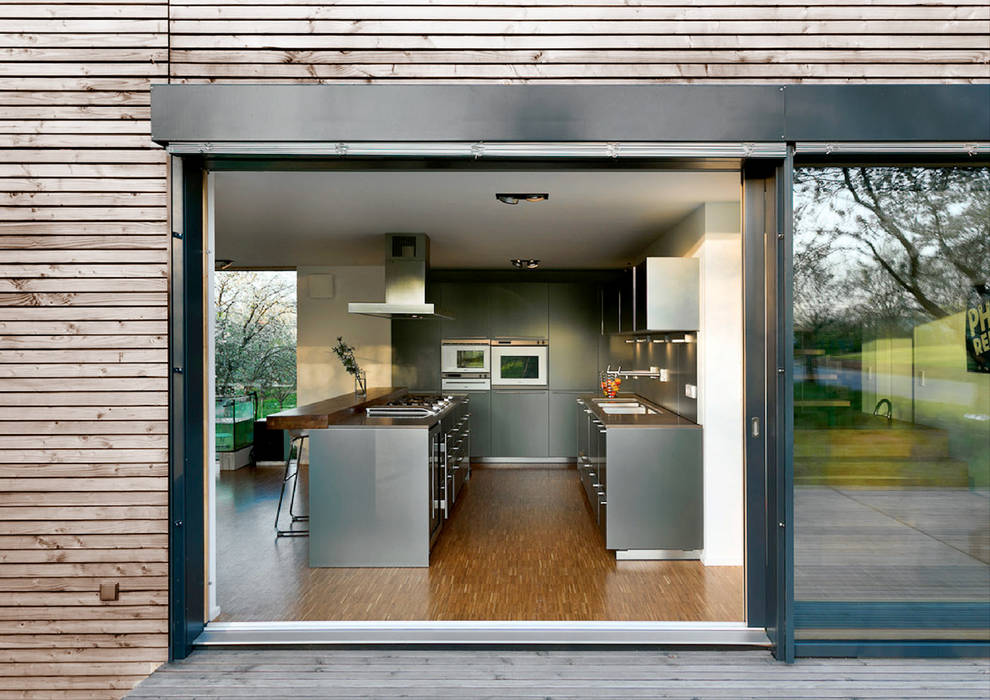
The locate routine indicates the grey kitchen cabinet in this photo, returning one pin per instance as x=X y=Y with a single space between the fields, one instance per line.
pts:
x=468 y=304
x=518 y=310
x=655 y=487
x=575 y=324
x=640 y=298
x=416 y=354
x=480 y=408
x=617 y=304
x=520 y=423
x=667 y=293
x=564 y=410
x=652 y=476
x=609 y=307
x=626 y=300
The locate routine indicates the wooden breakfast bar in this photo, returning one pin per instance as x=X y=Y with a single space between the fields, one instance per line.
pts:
x=322 y=414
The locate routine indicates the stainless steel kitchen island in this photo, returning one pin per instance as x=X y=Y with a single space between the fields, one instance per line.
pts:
x=382 y=480
x=642 y=470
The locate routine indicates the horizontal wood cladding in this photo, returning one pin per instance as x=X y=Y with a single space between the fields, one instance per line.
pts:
x=84 y=239
x=83 y=348
x=485 y=41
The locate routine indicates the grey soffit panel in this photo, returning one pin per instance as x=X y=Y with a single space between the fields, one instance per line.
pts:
x=465 y=113
x=887 y=112
x=569 y=113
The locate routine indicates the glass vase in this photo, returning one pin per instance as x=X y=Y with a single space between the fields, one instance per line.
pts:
x=361 y=383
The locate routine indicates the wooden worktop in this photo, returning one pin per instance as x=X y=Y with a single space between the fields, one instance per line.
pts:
x=328 y=412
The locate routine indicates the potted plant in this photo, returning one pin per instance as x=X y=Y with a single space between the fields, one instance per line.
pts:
x=345 y=353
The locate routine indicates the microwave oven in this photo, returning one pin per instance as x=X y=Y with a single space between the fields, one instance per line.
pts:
x=465 y=356
x=519 y=363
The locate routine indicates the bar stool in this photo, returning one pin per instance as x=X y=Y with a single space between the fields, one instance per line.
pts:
x=298 y=440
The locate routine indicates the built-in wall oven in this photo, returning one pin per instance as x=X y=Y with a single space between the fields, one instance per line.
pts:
x=465 y=364
x=519 y=362
x=470 y=356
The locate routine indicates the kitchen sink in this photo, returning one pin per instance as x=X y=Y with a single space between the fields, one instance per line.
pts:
x=628 y=410
x=624 y=407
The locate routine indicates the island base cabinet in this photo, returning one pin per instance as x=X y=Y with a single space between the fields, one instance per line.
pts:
x=655 y=489
x=369 y=497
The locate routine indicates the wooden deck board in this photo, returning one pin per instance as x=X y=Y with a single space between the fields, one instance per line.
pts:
x=381 y=673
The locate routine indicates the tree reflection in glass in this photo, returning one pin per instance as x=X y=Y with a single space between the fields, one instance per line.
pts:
x=892 y=384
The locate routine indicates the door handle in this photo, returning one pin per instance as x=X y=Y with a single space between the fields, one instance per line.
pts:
x=754 y=427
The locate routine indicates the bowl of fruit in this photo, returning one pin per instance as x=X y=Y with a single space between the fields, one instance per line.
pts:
x=610 y=385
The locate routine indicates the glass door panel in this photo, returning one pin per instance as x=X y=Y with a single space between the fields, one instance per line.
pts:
x=892 y=402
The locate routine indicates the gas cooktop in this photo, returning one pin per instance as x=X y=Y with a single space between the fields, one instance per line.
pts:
x=411 y=406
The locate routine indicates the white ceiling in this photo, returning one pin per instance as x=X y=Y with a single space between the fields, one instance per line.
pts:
x=593 y=219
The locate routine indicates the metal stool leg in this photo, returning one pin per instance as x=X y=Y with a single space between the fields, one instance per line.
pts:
x=294 y=475
x=295 y=481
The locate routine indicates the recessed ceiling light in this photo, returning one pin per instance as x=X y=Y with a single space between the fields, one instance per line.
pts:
x=525 y=263
x=516 y=197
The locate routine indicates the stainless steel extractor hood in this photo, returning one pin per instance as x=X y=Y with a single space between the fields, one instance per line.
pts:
x=407 y=262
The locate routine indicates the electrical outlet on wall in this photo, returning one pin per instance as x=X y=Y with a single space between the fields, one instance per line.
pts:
x=691 y=391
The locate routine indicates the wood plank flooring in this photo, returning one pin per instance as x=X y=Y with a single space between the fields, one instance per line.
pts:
x=521 y=545
x=277 y=674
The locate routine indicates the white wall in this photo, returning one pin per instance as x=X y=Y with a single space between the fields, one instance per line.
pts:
x=321 y=320
x=711 y=233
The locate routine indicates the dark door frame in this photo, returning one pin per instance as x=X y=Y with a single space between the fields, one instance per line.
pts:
x=188 y=294
x=252 y=127
x=767 y=247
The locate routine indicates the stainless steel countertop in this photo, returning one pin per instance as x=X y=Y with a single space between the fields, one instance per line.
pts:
x=362 y=420
x=663 y=418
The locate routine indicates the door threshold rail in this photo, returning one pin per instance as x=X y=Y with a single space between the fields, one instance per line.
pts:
x=473 y=632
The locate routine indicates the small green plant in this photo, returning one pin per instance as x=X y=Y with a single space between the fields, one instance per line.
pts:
x=346 y=354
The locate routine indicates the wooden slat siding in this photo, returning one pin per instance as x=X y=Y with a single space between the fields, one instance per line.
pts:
x=83 y=347
x=83 y=238
x=583 y=41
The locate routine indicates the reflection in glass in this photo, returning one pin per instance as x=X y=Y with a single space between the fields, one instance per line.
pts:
x=520 y=367
x=892 y=393
x=471 y=359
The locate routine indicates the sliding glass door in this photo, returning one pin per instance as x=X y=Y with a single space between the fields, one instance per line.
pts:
x=891 y=404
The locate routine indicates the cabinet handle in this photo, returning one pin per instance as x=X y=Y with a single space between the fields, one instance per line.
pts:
x=597 y=486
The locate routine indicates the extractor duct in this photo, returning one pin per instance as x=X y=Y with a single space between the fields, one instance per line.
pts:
x=407 y=262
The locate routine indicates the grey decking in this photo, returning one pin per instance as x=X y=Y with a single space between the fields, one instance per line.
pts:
x=426 y=673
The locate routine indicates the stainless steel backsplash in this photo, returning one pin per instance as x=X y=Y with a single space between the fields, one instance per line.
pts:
x=679 y=359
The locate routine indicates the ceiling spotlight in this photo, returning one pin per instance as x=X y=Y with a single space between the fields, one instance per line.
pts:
x=516 y=197
x=525 y=263
x=221 y=264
